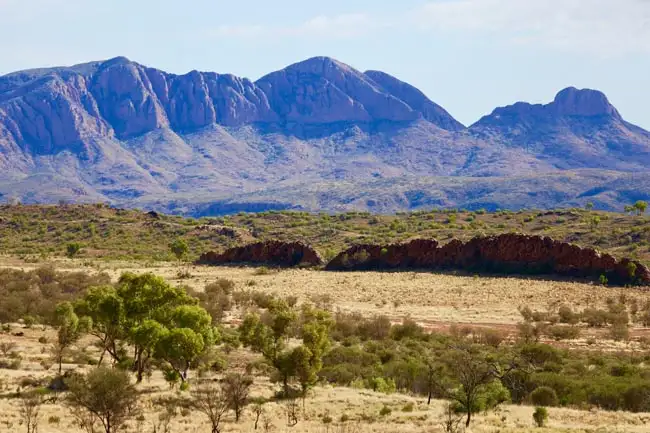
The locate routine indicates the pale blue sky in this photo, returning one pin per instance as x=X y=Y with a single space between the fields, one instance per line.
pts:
x=467 y=55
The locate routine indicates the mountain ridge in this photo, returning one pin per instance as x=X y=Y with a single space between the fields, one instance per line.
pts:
x=119 y=131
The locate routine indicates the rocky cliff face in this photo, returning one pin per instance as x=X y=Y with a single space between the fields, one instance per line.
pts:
x=275 y=253
x=508 y=253
x=47 y=111
x=119 y=131
x=322 y=90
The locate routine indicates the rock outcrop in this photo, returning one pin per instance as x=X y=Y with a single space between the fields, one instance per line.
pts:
x=274 y=253
x=507 y=253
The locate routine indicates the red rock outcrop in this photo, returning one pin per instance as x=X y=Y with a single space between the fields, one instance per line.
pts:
x=270 y=253
x=509 y=253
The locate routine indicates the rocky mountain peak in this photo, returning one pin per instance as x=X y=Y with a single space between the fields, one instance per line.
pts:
x=320 y=64
x=322 y=90
x=583 y=102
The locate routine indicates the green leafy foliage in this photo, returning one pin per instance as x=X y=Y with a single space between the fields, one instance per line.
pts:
x=540 y=416
x=161 y=322
x=72 y=249
x=179 y=248
x=105 y=395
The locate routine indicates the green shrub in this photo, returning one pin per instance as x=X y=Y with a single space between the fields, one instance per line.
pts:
x=407 y=329
x=408 y=407
x=563 y=332
x=544 y=396
x=567 y=315
x=385 y=411
x=637 y=398
x=607 y=393
x=595 y=318
x=540 y=416
x=379 y=384
x=538 y=354
x=619 y=332
x=29 y=321
x=72 y=249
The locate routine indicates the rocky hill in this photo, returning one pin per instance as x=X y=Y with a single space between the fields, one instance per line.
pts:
x=315 y=135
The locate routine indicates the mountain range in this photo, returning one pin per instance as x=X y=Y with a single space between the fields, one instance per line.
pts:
x=317 y=135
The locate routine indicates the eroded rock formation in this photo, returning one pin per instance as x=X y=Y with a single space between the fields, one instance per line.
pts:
x=269 y=253
x=512 y=253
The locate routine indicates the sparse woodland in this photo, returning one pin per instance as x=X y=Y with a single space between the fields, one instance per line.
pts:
x=243 y=349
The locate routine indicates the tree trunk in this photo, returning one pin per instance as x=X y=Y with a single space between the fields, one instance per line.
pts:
x=429 y=399
x=101 y=357
x=141 y=363
x=139 y=375
x=285 y=385
x=469 y=418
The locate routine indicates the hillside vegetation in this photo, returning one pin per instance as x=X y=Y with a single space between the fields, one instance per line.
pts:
x=39 y=231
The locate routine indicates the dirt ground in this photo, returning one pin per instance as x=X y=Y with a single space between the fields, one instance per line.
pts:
x=437 y=301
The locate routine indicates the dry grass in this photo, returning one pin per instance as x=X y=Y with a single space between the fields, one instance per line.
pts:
x=361 y=407
x=426 y=297
x=435 y=300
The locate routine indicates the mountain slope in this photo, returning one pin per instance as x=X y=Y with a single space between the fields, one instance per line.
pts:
x=417 y=100
x=122 y=132
x=579 y=129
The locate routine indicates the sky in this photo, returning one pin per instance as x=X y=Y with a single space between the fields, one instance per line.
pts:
x=469 y=56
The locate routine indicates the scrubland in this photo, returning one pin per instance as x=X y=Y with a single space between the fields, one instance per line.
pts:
x=359 y=351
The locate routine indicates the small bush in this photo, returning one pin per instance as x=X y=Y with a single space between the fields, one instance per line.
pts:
x=14 y=364
x=594 y=318
x=54 y=419
x=619 y=332
x=385 y=411
x=567 y=315
x=184 y=275
x=262 y=299
x=637 y=398
x=563 y=332
x=544 y=396
x=379 y=384
x=262 y=271
x=540 y=416
x=408 y=407
x=221 y=285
